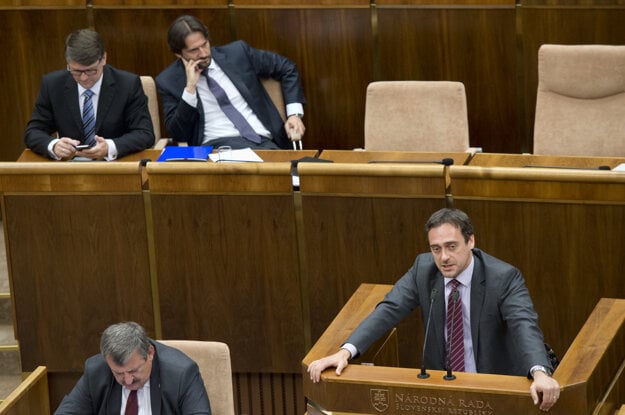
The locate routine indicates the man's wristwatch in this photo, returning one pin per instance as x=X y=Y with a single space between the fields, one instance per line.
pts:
x=297 y=115
x=541 y=369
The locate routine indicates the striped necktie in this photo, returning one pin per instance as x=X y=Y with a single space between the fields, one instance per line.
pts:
x=455 y=332
x=88 y=119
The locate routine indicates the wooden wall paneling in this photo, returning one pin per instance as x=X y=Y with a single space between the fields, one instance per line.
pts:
x=158 y=4
x=299 y=3
x=364 y=225
x=227 y=261
x=143 y=47
x=333 y=50
x=33 y=44
x=41 y=4
x=564 y=234
x=473 y=45
x=563 y=24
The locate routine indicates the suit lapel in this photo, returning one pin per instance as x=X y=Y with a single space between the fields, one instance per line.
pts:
x=437 y=325
x=115 y=398
x=71 y=98
x=107 y=93
x=155 y=383
x=253 y=100
x=478 y=293
x=231 y=71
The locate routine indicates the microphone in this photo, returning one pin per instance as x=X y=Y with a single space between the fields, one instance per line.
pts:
x=445 y=162
x=424 y=374
x=568 y=168
x=454 y=299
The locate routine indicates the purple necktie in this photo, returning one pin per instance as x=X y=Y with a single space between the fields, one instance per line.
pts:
x=455 y=332
x=240 y=123
x=132 y=406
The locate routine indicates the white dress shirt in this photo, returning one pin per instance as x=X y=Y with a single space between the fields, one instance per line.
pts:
x=143 y=398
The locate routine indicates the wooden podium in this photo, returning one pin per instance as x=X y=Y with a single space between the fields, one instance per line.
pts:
x=590 y=374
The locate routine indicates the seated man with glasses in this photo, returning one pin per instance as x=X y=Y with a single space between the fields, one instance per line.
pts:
x=97 y=111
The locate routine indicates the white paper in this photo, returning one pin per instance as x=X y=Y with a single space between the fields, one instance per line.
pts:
x=620 y=167
x=242 y=155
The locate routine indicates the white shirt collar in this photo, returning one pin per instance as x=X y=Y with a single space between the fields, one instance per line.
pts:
x=95 y=88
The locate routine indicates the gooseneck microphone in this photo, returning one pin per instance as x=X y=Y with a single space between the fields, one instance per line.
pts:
x=424 y=374
x=455 y=296
x=445 y=162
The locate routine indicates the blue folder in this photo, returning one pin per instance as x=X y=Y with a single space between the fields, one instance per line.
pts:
x=191 y=153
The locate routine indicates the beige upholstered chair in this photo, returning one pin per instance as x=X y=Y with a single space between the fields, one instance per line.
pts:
x=416 y=116
x=580 y=102
x=149 y=87
x=274 y=89
x=213 y=358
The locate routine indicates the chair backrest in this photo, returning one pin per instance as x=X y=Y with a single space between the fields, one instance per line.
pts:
x=149 y=87
x=213 y=358
x=580 y=101
x=274 y=89
x=416 y=116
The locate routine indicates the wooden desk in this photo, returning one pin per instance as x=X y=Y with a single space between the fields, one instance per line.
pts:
x=152 y=154
x=364 y=223
x=416 y=157
x=562 y=228
x=30 y=156
x=521 y=160
x=30 y=397
x=590 y=374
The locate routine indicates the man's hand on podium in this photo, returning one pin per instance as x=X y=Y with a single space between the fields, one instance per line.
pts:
x=545 y=390
x=339 y=360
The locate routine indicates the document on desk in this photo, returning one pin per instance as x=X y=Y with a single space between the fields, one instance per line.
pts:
x=240 y=155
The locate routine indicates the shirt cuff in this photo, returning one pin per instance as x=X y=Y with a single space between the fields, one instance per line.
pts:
x=541 y=368
x=51 y=147
x=112 y=155
x=294 y=108
x=190 y=99
x=351 y=349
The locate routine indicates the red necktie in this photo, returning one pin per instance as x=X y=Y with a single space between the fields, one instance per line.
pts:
x=132 y=406
x=455 y=333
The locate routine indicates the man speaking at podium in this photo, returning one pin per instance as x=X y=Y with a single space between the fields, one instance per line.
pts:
x=477 y=311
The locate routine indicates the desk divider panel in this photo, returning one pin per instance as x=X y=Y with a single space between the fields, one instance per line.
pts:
x=227 y=259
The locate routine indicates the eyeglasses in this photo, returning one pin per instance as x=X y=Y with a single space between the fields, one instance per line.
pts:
x=78 y=72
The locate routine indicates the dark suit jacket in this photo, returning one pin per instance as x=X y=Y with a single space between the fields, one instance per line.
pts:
x=244 y=66
x=122 y=116
x=504 y=325
x=176 y=387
